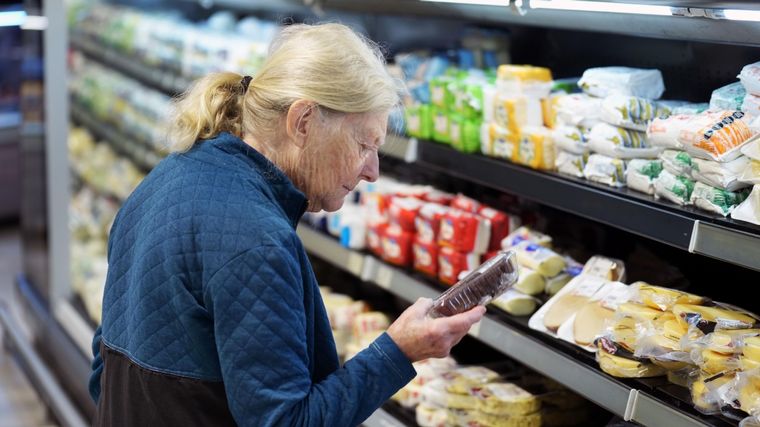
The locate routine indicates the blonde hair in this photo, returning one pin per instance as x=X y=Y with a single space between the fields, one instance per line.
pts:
x=328 y=64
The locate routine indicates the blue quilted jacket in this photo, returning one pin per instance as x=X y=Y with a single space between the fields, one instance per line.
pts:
x=211 y=312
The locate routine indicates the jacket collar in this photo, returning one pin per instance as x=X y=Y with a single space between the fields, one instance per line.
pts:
x=292 y=201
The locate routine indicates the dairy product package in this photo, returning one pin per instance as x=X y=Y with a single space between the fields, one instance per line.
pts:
x=428 y=415
x=427 y=224
x=507 y=399
x=703 y=391
x=419 y=120
x=605 y=170
x=729 y=97
x=516 y=303
x=716 y=200
x=409 y=396
x=690 y=108
x=620 y=363
x=571 y=164
x=610 y=269
x=620 y=143
x=530 y=282
x=663 y=299
x=578 y=109
x=451 y=263
x=515 y=112
x=425 y=257
x=710 y=318
x=716 y=136
x=593 y=317
x=664 y=132
x=750 y=78
x=479 y=287
x=641 y=174
x=440 y=130
x=534 y=82
x=499 y=142
x=464 y=203
x=396 y=246
x=403 y=212
x=501 y=225
x=464 y=133
x=461 y=380
x=565 y=304
x=631 y=112
x=536 y=149
x=751 y=173
x=676 y=189
x=523 y=234
x=751 y=106
x=484 y=419
x=464 y=231
x=556 y=283
x=539 y=258
x=605 y=81
x=433 y=368
x=749 y=209
x=723 y=175
x=752 y=149
x=572 y=139
x=660 y=341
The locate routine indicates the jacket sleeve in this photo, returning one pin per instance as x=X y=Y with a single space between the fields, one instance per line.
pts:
x=257 y=300
x=97 y=366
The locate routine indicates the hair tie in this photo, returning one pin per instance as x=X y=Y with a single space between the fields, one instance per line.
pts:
x=245 y=82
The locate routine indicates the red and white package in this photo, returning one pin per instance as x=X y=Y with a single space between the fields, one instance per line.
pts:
x=465 y=203
x=375 y=235
x=425 y=257
x=428 y=222
x=501 y=225
x=440 y=197
x=376 y=205
x=414 y=191
x=397 y=246
x=452 y=262
x=465 y=232
x=403 y=211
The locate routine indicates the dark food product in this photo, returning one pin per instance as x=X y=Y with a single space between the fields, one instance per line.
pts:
x=488 y=281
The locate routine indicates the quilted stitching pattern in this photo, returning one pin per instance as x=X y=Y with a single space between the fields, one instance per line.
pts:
x=207 y=279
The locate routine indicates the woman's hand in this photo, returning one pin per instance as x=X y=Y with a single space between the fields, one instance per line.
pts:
x=420 y=337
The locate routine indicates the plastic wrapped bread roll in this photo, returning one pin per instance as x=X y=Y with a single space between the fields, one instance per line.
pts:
x=641 y=174
x=729 y=97
x=749 y=210
x=539 y=258
x=605 y=170
x=516 y=303
x=530 y=281
x=571 y=139
x=604 y=267
x=750 y=78
x=631 y=112
x=716 y=200
x=620 y=143
x=462 y=380
x=676 y=189
x=507 y=399
x=488 y=281
x=605 y=81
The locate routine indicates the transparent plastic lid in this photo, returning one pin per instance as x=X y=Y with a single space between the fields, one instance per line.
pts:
x=491 y=279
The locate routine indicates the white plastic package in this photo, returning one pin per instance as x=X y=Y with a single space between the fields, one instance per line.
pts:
x=749 y=209
x=751 y=173
x=750 y=78
x=571 y=164
x=572 y=139
x=726 y=176
x=716 y=135
x=631 y=112
x=641 y=174
x=690 y=108
x=752 y=149
x=578 y=109
x=751 y=105
x=561 y=307
x=715 y=199
x=621 y=143
x=516 y=303
x=605 y=170
x=676 y=189
x=606 y=81
x=729 y=97
x=665 y=132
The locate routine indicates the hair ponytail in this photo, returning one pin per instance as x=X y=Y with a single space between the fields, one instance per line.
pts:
x=213 y=104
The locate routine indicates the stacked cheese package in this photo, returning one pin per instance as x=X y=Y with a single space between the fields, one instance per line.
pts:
x=516 y=118
x=353 y=324
x=444 y=394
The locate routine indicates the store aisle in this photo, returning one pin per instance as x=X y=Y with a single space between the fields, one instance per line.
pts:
x=20 y=406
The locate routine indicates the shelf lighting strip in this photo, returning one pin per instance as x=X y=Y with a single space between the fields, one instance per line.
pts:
x=597 y=6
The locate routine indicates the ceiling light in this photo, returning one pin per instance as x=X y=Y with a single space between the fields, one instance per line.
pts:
x=12 y=19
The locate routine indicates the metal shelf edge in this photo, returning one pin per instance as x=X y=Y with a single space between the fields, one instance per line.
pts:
x=381 y=418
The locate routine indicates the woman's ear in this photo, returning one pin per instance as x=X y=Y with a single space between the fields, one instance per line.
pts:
x=300 y=120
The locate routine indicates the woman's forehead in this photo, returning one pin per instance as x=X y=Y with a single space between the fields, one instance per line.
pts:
x=368 y=126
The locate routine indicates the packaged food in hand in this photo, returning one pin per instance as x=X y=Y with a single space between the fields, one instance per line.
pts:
x=491 y=279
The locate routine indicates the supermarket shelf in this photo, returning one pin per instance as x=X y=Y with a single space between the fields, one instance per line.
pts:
x=164 y=81
x=143 y=157
x=585 y=378
x=96 y=187
x=685 y=228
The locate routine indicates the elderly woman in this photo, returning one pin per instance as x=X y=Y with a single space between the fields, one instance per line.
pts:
x=211 y=313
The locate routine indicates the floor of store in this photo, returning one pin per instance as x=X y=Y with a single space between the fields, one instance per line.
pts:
x=20 y=405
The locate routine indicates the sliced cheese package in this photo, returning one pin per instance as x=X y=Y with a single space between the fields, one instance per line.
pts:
x=703 y=391
x=571 y=164
x=572 y=139
x=710 y=318
x=631 y=112
x=409 y=396
x=716 y=200
x=676 y=189
x=749 y=209
x=498 y=141
x=578 y=109
x=432 y=368
x=729 y=97
x=621 y=143
x=435 y=393
x=729 y=341
x=750 y=78
x=660 y=341
x=642 y=173
x=605 y=170
x=484 y=419
x=663 y=299
x=595 y=316
x=751 y=105
x=606 y=81
x=507 y=399
x=619 y=363
x=539 y=258
x=515 y=112
x=536 y=149
x=565 y=304
x=516 y=303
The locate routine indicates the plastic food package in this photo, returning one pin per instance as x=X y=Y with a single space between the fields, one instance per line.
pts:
x=419 y=120
x=642 y=173
x=749 y=209
x=709 y=319
x=716 y=136
x=750 y=78
x=748 y=393
x=515 y=112
x=501 y=225
x=676 y=189
x=556 y=283
x=663 y=299
x=729 y=97
x=724 y=175
x=484 y=419
x=616 y=362
x=507 y=399
x=536 y=149
x=425 y=257
x=605 y=81
x=462 y=380
x=751 y=173
x=665 y=132
x=439 y=197
x=430 y=369
x=539 y=258
x=375 y=235
x=465 y=203
x=516 y=303
x=397 y=246
x=571 y=139
x=464 y=134
x=690 y=108
x=661 y=343
x=590 y=321
x=403 y=211
x=620 y=143
x=465 y=232
x=716 y=200
x=703 y=391
x=567 y=302
x=451 y=263
x=430 y=415
x=479 y=287
x=751 y=105
x=605 y=170
x=631 y=112
x=525 y=80
x=525 y=233
x=409 y=396
x=440 y=130
x=499 y=142
x=571 y=164
x=578 y=110
x=428 y=222
x=530 y=282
